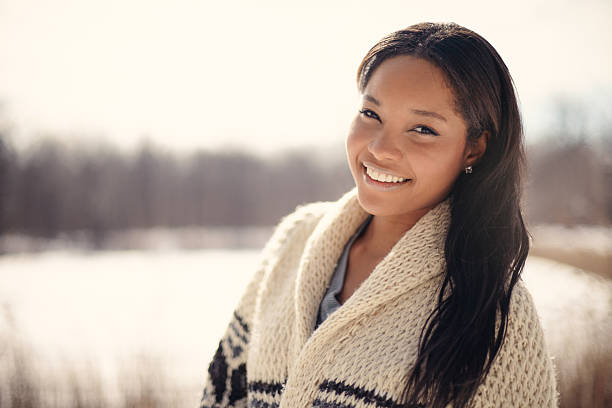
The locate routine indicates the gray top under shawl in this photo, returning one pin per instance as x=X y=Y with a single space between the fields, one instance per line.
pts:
x=330 y=302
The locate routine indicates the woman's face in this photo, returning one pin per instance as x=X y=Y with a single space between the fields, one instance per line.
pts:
x=407 y=145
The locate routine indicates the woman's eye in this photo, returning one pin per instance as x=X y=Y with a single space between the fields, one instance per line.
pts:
x=425 y=130
x=370 y=114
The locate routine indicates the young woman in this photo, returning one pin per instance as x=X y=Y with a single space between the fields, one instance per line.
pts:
x=405 y=292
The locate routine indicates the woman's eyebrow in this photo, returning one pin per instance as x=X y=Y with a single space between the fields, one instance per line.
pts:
x=429 y=114
x=371 y=99
x=416 y=111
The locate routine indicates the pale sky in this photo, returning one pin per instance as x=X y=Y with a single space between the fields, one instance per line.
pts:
x=262 y=75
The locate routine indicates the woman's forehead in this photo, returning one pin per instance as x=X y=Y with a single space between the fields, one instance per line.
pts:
x=407 y=81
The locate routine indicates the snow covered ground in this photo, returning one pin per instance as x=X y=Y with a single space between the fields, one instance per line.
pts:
x=115 y=313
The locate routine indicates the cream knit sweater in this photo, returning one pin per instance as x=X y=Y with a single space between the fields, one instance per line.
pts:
x=270 y=357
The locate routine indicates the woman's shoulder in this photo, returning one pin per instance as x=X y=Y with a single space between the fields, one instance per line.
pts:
x=304 y=215
x=522 y=373
x=524 y=332
x=523 y=316
x=309 y=212
x=296 y=225
x=312 y=212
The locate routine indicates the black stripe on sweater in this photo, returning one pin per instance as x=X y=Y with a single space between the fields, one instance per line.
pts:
x=238 y=334
x=244 y=326
x=317 y=403
x=217 y=370
x=367 y=396
x=271 y=388
x=257 y=403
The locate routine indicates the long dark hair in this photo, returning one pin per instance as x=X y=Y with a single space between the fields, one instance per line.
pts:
x=487 y=242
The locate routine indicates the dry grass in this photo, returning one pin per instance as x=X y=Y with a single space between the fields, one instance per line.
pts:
x=141 y=383
x=27 y=382
x=589 y=260
x=587 y=248
x=139 y=387
x=584 y=371
x=593 y=388
x=589 y=383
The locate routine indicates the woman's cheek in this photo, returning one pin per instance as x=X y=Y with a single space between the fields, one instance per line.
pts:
x=359 y=137
x=356 y=139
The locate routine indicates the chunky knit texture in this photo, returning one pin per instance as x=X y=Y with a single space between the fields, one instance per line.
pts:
x=359 y=357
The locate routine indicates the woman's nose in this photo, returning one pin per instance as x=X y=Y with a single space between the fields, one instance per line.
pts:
x=385 y=147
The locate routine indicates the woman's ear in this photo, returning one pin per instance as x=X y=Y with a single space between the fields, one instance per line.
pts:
x=476 y=148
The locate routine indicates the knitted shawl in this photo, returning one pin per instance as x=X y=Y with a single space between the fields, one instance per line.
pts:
x=360 y=355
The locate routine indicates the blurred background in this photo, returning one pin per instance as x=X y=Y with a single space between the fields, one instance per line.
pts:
x=148 y=148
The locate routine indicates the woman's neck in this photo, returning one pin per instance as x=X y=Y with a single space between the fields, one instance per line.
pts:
x=383 y=232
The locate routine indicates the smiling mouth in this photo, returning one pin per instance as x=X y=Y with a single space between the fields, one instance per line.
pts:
x=377 y=177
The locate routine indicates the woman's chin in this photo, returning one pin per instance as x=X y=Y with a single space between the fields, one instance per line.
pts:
x=378 y=206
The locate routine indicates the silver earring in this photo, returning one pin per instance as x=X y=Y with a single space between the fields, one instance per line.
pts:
x=468 y=170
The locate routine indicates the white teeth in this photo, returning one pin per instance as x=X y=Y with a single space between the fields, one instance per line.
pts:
x=387 y=178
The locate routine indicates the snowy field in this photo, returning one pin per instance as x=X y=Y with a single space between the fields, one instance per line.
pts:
x=113 y=318
x=107 y=313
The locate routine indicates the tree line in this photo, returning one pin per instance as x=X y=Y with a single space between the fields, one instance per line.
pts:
x=54 y=188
